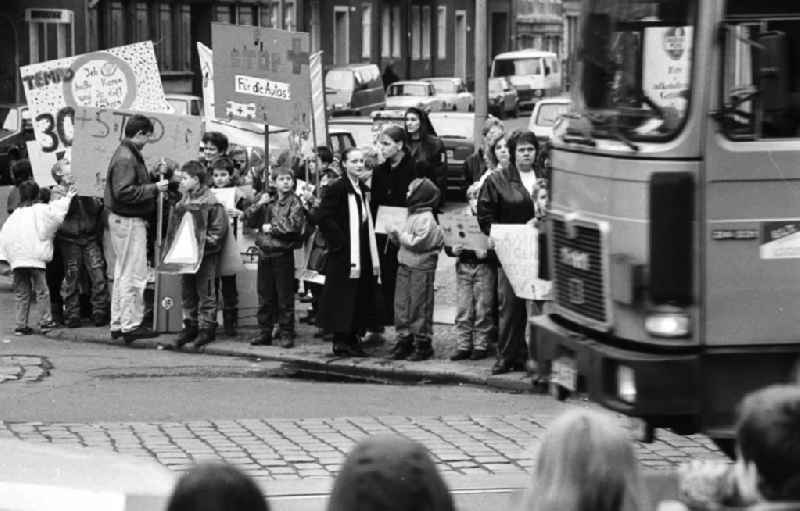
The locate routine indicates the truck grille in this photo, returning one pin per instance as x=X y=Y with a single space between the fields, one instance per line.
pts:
x=580 y=269
x=526 y=94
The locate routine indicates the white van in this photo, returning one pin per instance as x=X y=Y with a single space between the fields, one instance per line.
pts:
x=533 y=73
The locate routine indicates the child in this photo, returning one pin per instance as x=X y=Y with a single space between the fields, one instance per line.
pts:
x=197 y=289
x=26 y=242
x=420 y=241
x=476 y=280
x=281 y=223
x=78 y=241
x=223 y=171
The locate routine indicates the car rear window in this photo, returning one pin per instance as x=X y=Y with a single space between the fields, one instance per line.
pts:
x=550 y=112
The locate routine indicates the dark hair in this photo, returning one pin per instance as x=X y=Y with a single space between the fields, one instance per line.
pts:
x=768 y=434
x=195 y=169
x=396 y=133
x=216 y=487
x=22 y=171
x=234 y=150
x=521 y=137
x=224 y=163
x=138 y=123
x=346 y=153
x=28 y=191
x=329 y=173
x=426 y=129
x=217 y=139
x=324 y=154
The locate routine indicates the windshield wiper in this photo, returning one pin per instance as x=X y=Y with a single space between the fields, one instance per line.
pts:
x=617 y=135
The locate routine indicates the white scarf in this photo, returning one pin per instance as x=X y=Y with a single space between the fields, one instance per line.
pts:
x=355 y=237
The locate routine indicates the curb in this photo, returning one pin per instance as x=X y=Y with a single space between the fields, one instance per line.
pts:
x=439 y=372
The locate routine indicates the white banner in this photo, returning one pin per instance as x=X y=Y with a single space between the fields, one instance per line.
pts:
x=207 y=72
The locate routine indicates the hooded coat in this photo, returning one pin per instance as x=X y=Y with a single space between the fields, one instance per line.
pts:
x=421 y=238
x=26 y=239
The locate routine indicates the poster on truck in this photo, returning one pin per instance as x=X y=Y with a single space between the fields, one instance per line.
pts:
x=780 y=240
x=666 y=65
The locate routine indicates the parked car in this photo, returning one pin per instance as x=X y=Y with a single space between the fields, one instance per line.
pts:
x=535 y=74
x=544 y=117
x=16 y=129
x=354 y=90
x=402 y=95
x=186 y=104
x=503 y=98
x=453 y=93
x=360 y=128
x=455 y=130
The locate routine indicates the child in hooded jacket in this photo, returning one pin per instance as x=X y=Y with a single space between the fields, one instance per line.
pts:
x=26 y=242
x=420 y=241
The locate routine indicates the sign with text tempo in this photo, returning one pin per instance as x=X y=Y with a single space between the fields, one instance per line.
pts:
x=262 y=75
x=98 y=132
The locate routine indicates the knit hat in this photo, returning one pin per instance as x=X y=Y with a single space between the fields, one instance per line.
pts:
x=389 y=473
x=424 y=194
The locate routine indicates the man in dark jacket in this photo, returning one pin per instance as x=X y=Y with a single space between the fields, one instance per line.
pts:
x=131 y=199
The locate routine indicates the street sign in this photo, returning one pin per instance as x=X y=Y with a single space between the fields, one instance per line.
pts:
x=262 y=75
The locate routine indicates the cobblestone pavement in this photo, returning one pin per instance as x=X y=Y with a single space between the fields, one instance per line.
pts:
x=23 y=368
x=279 y=449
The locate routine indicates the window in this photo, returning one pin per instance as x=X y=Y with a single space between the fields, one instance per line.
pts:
x=289 y=17
x=116 y=35
x=416 y=28
x=185 y=41
x=386 y=32
x=397 y=25
x=366 y=31
x=142 y=32
x=51 y=34
x=164 y=47
x=269 y=14
x=224 y=14
x=441 y=32
x=245 y=15
x=426 y=31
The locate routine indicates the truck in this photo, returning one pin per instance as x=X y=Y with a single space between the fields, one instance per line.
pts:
x=674 y=237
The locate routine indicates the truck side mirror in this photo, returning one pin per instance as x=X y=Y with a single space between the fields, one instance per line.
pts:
x=773 y=63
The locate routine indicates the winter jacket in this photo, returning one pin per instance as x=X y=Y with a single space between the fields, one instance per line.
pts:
x=421 y=238
x=289 y=224
x=83 y=221
x=430 y=157
x=390 y=184
x=26 y=240
x=504 y=200
x=129 y=190
x=202 y=200
x=474 y=167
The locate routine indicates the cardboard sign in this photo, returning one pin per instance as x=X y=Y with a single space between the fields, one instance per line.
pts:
x=461 y=228
x=667 y=64
x=226 y=197
x=780 y=240
x=125 y=77
x=517 y=248
x=98 y=133
x=263 y=75
x=390 y=217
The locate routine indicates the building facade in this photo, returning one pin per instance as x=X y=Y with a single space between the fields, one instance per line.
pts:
x=540 y=25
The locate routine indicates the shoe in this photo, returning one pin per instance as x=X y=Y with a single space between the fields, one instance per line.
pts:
x=374 y=338
x=478 y=355
x=402 y=349
x=504 y=366
x=99 y=319
x=48 y=325
x=116 y=334
x=286 y=340
x=276 y=332
x=73 y=323
x=205 y=336
x=319 y=333
x=422 y=351
x=461 y=355
x=262 y=339
x=23 y=330
x=306 y=298
x=187 y=335
x=140 y=332
x=308 y=319
x=349 y=350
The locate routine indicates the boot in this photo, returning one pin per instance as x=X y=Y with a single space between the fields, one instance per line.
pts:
x=229 y=323
x=264 y=338
x=286 y=340
x=403 y=348
x=187 y=335
x=422 y=350
x=205 y=336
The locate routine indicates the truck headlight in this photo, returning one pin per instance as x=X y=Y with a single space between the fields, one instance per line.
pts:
x=667 y=323
x=626 y=384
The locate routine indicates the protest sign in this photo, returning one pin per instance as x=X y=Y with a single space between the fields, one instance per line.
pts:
x=41 y=163
x=98 y=132
x=517 y=248
x=125 y=77
x=207 y=73
x=390 y=217
x=226 y=197
x=667 y=65
x=461 y=228
x=263 y=74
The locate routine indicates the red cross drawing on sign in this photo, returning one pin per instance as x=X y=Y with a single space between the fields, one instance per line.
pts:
x=297 y=56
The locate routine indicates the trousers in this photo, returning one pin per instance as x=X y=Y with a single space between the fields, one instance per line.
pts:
x=129 y=243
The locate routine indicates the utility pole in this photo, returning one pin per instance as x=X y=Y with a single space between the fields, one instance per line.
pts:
x=481 y=65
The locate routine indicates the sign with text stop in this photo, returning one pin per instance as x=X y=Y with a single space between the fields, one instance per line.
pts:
x=262 y=75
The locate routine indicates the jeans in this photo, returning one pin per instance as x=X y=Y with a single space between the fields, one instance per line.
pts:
x=55 y=277
x=476 y=285
x=226 y=286
x=27 y=283
x=413 y=303
x=77 y=257
x=197 y=293
x=511 y=345
x=276 y=293
x=129 y=242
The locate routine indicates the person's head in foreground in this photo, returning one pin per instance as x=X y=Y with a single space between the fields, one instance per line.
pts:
x=586 y=463
x=389 y=473
x=216 y=487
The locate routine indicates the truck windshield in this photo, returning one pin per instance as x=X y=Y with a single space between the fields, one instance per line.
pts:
x=634 y=72
x=521 y=66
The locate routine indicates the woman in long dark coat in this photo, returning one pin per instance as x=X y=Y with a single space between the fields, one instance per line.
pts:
x=426 y=148
x=351 y=300
x=390 y=182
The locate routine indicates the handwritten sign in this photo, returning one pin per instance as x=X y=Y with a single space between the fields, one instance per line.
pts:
x=667 y=53
x=390 y=217
x=461 y=228
x=98 y=132
x=125 y=77
x=206 y=57
x=517 y=248
x=263 y=75
x=226 y=197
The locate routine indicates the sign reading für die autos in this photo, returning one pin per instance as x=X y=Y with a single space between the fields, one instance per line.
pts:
x=261 y=75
